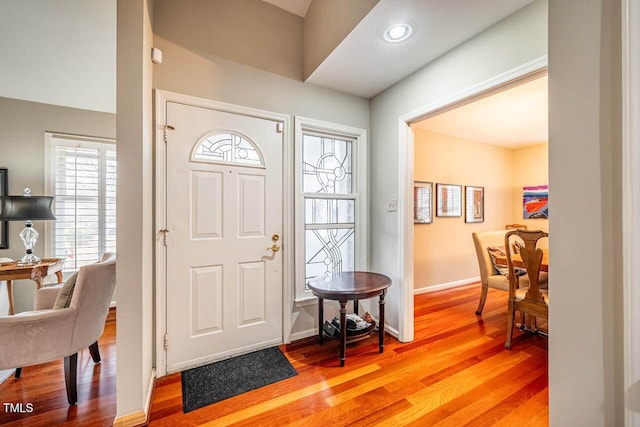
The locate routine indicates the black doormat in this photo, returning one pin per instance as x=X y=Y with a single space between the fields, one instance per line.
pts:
x=221 y=380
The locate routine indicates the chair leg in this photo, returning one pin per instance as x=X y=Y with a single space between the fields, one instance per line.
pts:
x=18 y=372
x=511 y=319
x=95 y=352
x=483 y=298
x=70 y=377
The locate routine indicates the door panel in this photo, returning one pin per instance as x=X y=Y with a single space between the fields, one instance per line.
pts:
x=224 y=202
x=206 y=209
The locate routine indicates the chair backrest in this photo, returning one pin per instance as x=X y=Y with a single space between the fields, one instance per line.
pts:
x=531 y=256
x=515 y=226
x=482 y=240
x=91 y=298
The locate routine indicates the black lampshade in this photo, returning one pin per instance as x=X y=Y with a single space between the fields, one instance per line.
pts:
x=23 y=208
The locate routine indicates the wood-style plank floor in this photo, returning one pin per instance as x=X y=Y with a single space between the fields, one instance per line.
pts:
x=456 y=372
x=43 y=387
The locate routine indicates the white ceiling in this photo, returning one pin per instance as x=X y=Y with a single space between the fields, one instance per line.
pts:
x=63 y=52
x=364 y=64
x=513 y=118
x=299 y=7
x=59 y=52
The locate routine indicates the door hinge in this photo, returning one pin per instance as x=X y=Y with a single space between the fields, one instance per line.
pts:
x=164 y=232
x=279 y=127
x=166 y=342
x=166 y=128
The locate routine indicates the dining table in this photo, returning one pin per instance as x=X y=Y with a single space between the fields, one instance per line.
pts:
x=517 y=260
x=10 y=271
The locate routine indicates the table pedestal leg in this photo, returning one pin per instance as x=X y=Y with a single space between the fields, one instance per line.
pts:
x=381 y=325
x=320 y=320
x=343 y=332
x=10 y=295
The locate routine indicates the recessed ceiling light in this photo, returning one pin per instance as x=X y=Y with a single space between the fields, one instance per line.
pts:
x=397 y=33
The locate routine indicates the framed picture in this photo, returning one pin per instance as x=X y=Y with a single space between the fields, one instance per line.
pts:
x=422 y=202
x=4 y=191
x=449 y=200
x=535 y=202
x=474 y=204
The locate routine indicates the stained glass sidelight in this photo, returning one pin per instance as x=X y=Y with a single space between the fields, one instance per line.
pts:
x=329 y=220
x=329 y=251
x=327 y=165
x=329 y=211
x=228 y=148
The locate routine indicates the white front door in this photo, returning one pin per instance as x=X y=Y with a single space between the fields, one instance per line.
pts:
x=224 y=210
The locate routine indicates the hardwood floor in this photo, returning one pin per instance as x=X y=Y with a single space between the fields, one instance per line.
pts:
x=455 y=372
x=43 y=387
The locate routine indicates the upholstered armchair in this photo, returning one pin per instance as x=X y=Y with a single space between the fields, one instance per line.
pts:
x=47 y=333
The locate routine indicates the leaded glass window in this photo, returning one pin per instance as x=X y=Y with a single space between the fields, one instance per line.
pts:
x=330 y=214
x=329 y=221
x=327 y=165
x=228 y=147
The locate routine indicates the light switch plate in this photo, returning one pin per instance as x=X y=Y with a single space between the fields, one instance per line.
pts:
x=392 y=205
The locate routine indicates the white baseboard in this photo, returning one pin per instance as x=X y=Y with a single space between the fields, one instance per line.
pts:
x=112 y=304
x=442 y=286
x=391 y=331
x=140 y=417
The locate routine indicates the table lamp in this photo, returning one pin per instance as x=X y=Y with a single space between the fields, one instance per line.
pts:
x=27 y=208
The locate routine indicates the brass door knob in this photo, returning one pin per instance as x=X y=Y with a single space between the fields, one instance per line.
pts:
x=275 y=248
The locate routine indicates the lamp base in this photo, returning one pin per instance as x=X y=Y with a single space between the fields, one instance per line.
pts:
x=29 y=259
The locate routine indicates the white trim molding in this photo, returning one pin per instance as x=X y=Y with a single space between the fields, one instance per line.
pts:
x=530 y=70
x=140 y=417
x=448 y=285
x=359 y=193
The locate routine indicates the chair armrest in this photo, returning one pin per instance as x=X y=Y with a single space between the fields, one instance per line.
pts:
x=35 y=337
x=46 y=297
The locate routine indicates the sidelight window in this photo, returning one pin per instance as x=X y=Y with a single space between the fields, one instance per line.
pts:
x=331 y=199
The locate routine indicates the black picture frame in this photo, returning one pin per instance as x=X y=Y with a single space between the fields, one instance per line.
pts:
x=449 y=200
x=422 y=202
x=474 y=204
x=4 y=225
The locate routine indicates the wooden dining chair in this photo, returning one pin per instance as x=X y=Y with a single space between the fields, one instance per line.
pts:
x=532 y=299
x=515 y=226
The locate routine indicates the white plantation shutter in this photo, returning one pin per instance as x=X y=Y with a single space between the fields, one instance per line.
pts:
x=83 y=184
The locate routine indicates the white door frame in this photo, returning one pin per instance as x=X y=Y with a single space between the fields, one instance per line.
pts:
x=631 y=207
x=529 y=70
x=161 y=98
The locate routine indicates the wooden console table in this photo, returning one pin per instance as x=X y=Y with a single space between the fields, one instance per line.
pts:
x=348 y=286
x=36 y=272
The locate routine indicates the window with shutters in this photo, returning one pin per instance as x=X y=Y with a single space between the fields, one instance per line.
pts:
x=82 y=179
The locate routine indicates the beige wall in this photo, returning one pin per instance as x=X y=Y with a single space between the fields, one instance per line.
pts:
x=22 y=146
x=250 y=32
x=443 y=251
x=585 y=345
x=134 y=275
x=530 y=167
x=326 y=24
x=444 y=254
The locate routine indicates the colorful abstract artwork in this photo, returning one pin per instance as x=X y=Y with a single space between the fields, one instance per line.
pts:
x=536 y=202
